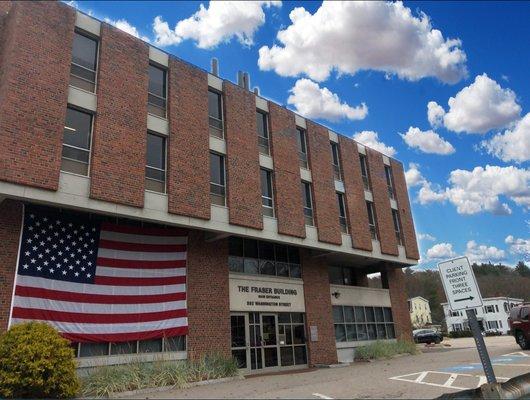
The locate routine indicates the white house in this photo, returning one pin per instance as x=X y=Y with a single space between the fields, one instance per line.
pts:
x=492 y=315
x=420 y=311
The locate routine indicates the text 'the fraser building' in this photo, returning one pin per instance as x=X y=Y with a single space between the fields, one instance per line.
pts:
x=149 y=207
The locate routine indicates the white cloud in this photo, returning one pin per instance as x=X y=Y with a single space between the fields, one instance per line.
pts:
x=353 y=36
x=440 y=251
x=125 y=26
x=426 y=236
x=312 y=101
x=478 y=108
x=218 y=23
x=371 y=139
x=413 y=175
x=435 y=114
x=483 y=254
x=518 y=246
x=427 y=141
x=512 y=145
x=481 y=189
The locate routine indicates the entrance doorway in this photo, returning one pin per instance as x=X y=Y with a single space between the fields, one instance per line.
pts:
x=268 y=341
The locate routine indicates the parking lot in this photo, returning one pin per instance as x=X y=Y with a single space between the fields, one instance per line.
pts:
x=429 y=374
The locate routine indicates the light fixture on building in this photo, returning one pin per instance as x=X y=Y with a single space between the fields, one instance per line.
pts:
x=336 y=294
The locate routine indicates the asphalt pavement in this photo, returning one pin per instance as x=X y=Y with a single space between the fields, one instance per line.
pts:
x=434 y=371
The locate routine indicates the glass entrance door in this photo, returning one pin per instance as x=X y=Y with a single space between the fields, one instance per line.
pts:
x=269 y=342
x=240 y=343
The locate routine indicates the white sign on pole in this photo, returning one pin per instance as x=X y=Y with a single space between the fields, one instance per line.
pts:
x=460 y=285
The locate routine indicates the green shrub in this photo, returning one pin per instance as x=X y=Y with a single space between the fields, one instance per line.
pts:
x=460 y=334
x=384 y=349
x=36 y=362
x=103 y=381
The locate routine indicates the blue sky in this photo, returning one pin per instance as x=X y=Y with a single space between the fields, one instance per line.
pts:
x=369 y=71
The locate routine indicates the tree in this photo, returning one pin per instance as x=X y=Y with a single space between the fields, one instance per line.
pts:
x=522 y=269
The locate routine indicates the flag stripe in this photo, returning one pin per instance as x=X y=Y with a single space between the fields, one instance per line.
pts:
x=90 y=298
x=141 y=231
x=125 y=337
x=141 y=255
x=87 y=318
x=117 y=281
x=140 y=273
x=142 y=239
x=124 y=328
x=112 y=262
x=90 y=289
x=95 y=308
x=110 y=244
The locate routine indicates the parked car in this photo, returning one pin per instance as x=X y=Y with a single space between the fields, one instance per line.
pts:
x=519 y=321
x=427 y=336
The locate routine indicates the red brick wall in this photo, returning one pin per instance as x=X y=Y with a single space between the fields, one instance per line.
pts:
x=288 y=201
x=120 y=129
x=393 y=279
x=318 y=310
x=10 y=226
x=33 y=91
x=355 y=201
x=242 y=164
x=325 y=198
x=405 y=214
x=208 y=297
x=188 y=151
x=385 y=224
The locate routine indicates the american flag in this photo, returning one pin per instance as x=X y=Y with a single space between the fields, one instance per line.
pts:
x=100 y=282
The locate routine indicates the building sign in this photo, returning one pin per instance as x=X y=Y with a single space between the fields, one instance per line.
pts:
x=459 y=284
x=265 y=294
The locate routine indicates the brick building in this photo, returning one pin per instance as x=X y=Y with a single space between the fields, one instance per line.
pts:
x=99 y=125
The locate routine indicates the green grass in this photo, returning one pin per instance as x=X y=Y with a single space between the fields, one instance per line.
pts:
x=104 y=381
x=384 y=349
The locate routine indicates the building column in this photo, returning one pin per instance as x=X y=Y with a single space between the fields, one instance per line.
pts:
x=393 y=279
x=318 y=311
x=207 y=297
x=10 y=226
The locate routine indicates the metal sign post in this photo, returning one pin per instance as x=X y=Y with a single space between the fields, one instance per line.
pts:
x=462 y=292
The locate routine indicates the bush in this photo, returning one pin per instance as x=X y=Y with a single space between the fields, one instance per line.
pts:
x=36 y=362
x=460 y=334
x=384 y=349
x=105 y=381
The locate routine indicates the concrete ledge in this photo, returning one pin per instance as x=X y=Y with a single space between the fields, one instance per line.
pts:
x=131 y=393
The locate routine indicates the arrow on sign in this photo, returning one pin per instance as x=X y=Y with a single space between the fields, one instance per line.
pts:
x=465 y=298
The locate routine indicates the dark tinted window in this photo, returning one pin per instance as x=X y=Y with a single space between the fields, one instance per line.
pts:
x=156 y=152
x=77 y=128
x=261 y=121
x=342 y=210
x=335 y=276
x=235 y=247
x=388 y=175
x=335 y=153
x=214 y=105
x=84 y=51
x=370 y=207
x=306 y=194
x=266 y=183
x=217 y=174
x=364 y=170
x=301 y=139
x=157 y=81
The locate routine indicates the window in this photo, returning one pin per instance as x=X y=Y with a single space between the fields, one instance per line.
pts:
x=342 y=276
x=308 y=203
x=168 y=344
x=301 y=139
x=217 y=179
x=371 y=219
x=259 y=257
x=364 y=171
x=76 y=141
x=263 y=132
x=397 y=227
x=489 y=309
x=155 y=169
x=156 y=103
x=335 y=161
x=389 y=181
x=84 y=62
x=266 y=193
x=357 y=323
x=291 y=330
x=497 y=307
x=342 y=213
x=215 y=113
